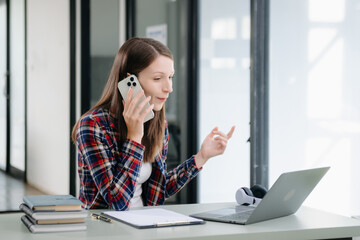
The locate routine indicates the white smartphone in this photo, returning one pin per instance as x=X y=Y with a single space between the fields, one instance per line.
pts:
x=132 y=82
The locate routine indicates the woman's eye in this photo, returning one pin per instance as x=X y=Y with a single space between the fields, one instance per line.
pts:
x=157 y=78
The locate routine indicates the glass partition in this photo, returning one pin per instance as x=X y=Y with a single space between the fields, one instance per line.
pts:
x=224 y=96
x=314 y=97
x=104 y=43
x=17 y=84
x=160 y=20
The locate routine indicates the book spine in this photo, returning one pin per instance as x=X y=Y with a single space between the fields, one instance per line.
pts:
x=26 y=209
x=27 y=223
x=34 y=222
x=28 y=202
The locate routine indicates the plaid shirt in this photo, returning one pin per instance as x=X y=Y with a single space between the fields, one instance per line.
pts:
x=108 y=172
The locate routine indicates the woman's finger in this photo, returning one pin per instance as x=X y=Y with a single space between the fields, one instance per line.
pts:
x=230 y=133
x=141 y=105
x=219 y=133
x=146 y=111
x=133 y=103
x=129 y=96
x=127 y=101
x=212 y=133
x=221 y=138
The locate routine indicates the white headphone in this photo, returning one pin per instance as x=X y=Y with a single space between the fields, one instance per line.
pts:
x=245 y=197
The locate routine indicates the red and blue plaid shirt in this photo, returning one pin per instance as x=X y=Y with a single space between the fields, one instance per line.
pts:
x=108 y=172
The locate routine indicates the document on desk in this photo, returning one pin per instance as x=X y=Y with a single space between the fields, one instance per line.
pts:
x=152 y=218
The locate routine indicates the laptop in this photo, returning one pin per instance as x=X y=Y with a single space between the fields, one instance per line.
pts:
x=284 y=198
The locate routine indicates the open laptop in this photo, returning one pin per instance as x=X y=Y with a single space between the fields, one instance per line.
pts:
x=283 y=198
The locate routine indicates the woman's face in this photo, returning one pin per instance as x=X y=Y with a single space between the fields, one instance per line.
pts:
x=156 y=80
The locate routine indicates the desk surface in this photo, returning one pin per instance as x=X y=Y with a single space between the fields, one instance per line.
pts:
x=307 y=223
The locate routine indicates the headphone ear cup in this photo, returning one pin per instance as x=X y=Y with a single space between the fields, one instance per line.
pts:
x=247 y=191
x=258 y=191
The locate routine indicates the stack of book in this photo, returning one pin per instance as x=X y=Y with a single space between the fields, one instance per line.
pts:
x=53 y=213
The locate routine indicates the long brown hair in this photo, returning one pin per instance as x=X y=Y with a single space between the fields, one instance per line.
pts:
x=135 y=55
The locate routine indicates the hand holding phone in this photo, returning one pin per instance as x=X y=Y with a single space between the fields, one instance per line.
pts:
x=133 y=83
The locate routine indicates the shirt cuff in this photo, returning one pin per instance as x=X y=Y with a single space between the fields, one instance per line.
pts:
x=192 y=160
x=132 y=148
x=134 y=143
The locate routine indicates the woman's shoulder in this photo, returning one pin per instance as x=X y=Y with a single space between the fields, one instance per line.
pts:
x=98 y=115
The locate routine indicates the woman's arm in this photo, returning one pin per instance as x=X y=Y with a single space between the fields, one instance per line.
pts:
x=162 y=183
x=213 y=145
x=178 y=177
x=115 y=179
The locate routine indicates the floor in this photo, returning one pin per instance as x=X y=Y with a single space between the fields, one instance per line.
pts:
x=12 y=192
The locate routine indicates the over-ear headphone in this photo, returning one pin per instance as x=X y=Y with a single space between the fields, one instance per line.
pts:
x=246 y=196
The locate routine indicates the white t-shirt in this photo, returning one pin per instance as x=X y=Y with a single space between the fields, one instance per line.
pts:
x=145 y=172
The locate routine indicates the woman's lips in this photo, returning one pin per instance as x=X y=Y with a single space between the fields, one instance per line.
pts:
x=162 y=99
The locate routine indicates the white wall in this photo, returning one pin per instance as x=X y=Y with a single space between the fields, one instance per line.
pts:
x=48 y=89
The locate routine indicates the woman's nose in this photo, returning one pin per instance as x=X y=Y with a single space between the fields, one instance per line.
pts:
x=168 y=86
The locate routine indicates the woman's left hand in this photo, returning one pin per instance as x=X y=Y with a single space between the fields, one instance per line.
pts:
x=213 y=145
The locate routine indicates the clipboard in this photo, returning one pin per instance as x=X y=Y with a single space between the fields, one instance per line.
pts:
x=152 y=218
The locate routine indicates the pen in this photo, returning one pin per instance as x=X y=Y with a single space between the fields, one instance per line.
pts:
x=102 y=218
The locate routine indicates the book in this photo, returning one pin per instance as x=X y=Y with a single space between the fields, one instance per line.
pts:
x=52 y=202
x=56 y=221
x=53 y=215
x=36 y=228
x=152 y=218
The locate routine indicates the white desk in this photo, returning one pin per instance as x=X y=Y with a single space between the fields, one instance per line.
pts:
x=307 y=223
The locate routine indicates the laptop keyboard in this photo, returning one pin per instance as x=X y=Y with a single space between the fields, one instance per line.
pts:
x=239 y=217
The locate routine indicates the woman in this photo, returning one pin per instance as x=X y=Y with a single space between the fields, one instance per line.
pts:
x=122 y=159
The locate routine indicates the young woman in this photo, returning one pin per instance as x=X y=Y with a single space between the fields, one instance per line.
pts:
x=122 y=159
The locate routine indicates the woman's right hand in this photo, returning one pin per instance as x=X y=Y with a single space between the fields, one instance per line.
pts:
x=134 y=116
